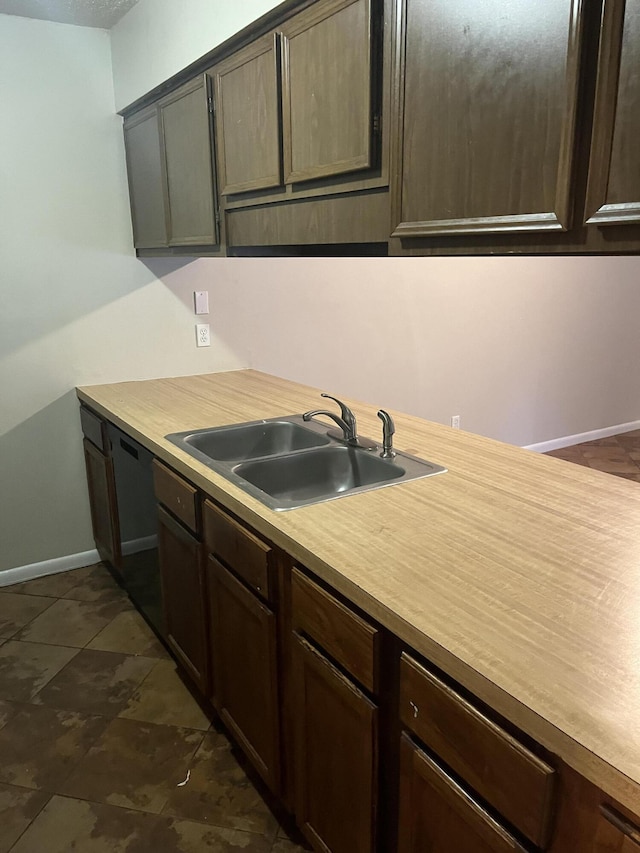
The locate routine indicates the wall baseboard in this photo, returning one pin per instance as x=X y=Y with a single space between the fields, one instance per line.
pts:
x=48 y=567
x=568 y=440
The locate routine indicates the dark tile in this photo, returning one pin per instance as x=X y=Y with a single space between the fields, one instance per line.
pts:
x=219 y=792
x=134 y=765
x=163 y=698
x=52 y=585
x=70 y=623
x=97 y=584
x=7 y=710
x=18 y=807
x=283 y=845
x=69 y=824
x=25 y=668
x=95 y=682
x=40 y=746
x=129 y=633
x=16 y=611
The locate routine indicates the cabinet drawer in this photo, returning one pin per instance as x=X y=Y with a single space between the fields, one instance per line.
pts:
x=616 y=834
x=248 y=556
x=346 y=637
x=176 y=494
x=438 y=815
x=94 y=429
x=499 y=768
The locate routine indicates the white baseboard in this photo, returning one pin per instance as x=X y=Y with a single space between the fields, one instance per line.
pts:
x=568 y=440
x=134 y=546
x=48 y=567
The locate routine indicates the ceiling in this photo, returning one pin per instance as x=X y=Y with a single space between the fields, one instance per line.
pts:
x=82 y=13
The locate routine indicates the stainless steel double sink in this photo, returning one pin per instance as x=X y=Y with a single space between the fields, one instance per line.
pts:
x=288 y=462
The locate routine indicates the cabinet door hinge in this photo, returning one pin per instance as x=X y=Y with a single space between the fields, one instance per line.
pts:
x=376 y=123
x=212 y=107
x=217 y=217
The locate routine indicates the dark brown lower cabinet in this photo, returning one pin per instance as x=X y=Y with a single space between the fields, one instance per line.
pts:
x=244 y=648
x=336 y=755
x=183 y=596
x=102 y=503
x=439 y=816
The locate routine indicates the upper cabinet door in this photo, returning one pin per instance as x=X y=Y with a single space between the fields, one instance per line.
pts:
x=485 y=115
x=327 y=90
x=188 y=161
x=144 y=170
x=613 y=189
x=247 y=118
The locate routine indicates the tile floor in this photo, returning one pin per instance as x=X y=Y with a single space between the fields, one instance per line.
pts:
x=98 y=734
x=618 y=454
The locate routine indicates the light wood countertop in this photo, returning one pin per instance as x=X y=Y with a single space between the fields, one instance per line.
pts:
x=516 y=573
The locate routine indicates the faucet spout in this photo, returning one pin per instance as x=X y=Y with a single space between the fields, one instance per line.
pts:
x=346 y=420
x=347 y=430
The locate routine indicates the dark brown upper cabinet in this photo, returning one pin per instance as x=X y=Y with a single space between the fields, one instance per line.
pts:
x=170 y=166
x=485 y=114
x=188 y=165
x=326 y=90
x=613 y=188
x=247 y=120
x=146 y=184
x=298 y=105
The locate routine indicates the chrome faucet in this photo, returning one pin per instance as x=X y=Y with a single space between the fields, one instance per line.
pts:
x=388 y=429
x=346 y=420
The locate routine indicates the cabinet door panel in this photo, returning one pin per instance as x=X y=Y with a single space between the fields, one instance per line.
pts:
x=188 y=161
x=326 y=90
x=183 y=597
x=102 y=502
x=439 y=816
x=336 y=755
x=146 y=187
x=486 y=116
x=247 y=118
x=613 y=192
x=243 y=638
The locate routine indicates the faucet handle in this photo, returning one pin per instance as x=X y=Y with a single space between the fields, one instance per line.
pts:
x=345 y=412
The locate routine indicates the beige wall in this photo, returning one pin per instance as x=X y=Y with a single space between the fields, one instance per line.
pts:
x=523 y=349
x=75 y=305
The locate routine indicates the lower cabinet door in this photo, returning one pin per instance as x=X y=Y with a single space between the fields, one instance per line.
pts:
x=103 y=505
x=336 y=755
x=244 y=646
x=438 y=816
x=183 y=597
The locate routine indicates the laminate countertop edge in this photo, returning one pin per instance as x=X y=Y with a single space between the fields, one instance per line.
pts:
x=516 y=574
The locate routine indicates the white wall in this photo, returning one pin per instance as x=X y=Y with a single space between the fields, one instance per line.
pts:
x=158 y=38
x=76 y=306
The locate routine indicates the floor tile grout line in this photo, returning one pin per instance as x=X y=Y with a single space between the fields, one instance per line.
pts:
x=34 y=818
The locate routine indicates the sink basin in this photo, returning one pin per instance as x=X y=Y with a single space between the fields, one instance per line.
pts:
x=288 y=463
x=253 y=440
x=317 y=474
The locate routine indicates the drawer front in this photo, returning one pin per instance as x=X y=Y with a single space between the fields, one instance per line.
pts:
x=93 y=428
x=616 y=834
x=438 y=815
x=248 y=556
x=499 y=768
x=346 y=637
x=176 y=494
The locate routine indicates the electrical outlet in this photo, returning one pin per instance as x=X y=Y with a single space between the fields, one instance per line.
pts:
x=201 y=301
x=203 y=335
x=455 y=421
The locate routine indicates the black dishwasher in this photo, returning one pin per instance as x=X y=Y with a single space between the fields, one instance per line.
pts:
x=138 y=518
